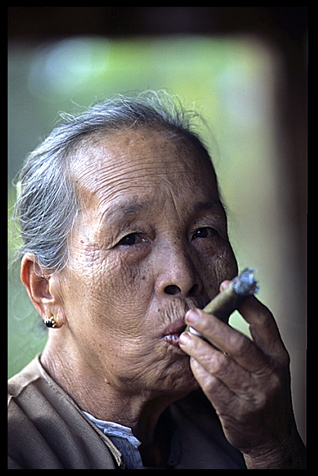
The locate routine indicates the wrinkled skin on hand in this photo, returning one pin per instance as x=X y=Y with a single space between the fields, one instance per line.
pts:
x=248 y=383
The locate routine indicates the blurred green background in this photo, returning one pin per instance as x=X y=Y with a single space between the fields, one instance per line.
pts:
x=236 y=83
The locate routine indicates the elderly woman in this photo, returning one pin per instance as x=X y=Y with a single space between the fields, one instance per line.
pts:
x=124 y=242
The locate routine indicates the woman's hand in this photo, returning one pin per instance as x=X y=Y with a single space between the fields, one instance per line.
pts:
x=248 y=384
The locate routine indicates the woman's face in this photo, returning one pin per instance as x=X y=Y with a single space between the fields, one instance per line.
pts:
x=149 y=243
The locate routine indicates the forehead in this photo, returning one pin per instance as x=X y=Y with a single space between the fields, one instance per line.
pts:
x=136 y=163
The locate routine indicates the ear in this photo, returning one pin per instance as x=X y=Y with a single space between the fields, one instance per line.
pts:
x=39 y=286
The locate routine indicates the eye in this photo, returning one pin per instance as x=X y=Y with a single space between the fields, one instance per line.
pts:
x=205 y=232
x=131 y=239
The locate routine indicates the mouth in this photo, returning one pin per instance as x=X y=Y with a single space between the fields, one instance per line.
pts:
x=172 y=333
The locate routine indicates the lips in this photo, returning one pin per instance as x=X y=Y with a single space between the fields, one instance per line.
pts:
x=172 y=332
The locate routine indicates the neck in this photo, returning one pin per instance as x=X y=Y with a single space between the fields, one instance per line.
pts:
x=97 y=396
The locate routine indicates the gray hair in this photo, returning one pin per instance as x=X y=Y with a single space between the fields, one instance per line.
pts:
x=47 y=204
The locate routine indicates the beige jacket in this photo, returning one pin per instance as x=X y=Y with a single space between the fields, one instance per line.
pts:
x=47 y=430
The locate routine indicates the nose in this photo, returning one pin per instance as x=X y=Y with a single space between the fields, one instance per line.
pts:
x=173 y=290
x=178 y=274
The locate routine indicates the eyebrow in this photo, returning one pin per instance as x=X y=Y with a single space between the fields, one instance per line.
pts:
x=126 y=209
x=209 y=205
x=129 y=210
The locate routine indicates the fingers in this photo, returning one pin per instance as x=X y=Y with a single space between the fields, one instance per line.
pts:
x=263 y=329
x=225 y=338
x=211 y=368
x=246 y=380
x=213 y=387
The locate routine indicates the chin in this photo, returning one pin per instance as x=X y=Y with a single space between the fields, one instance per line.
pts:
x=178 y=378
x=167 y=373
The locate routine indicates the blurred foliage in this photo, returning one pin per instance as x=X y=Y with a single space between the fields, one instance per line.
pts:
x=229 y=81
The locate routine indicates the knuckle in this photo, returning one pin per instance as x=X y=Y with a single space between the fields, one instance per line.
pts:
x=284 y=359
x=280 y=360
x=211 y=386
x=240 y=344
x=219 y=365
x=258 y=401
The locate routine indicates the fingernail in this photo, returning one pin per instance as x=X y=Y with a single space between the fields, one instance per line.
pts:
x=192 y=317
x=224 y=285
x=183 y=339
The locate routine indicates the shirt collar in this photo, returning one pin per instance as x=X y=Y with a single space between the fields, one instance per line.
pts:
x=123 y=438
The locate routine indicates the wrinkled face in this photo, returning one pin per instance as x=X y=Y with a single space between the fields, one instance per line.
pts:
x=149 y=243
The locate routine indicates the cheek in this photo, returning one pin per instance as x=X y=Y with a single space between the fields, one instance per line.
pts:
x=116 y=292
x=226 y=264
x=126 y=287
x=220 y=264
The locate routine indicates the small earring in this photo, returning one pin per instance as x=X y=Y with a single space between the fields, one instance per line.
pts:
x=50 y=322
